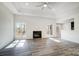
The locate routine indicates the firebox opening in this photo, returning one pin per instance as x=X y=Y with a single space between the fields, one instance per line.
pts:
x=37 y=34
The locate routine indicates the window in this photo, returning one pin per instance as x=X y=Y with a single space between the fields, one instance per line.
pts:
x=20 y=28
x=72 y=25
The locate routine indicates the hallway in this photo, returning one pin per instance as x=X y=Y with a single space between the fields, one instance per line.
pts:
x=41 y=47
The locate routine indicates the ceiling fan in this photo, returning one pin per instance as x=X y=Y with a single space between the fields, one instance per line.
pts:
x=44 y=5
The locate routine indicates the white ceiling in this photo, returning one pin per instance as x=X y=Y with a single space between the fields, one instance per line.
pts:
x=57 y=8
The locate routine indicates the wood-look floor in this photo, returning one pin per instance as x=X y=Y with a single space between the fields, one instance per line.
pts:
x=43 y=47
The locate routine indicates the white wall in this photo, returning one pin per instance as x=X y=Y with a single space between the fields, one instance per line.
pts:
x=67 y=33
x=6 y=26
x=35 y=23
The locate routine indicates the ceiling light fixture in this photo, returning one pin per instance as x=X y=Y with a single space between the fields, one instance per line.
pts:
x=45 y=5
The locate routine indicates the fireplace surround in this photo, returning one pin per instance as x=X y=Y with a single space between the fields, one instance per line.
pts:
x=37 y=34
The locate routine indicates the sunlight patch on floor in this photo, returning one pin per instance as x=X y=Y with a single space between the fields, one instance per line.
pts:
x=17 y=43
x=22 y=41
x=13 y=44
x=56 y=40
x=20 y=45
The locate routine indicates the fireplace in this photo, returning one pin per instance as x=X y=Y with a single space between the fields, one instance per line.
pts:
x=37 y=34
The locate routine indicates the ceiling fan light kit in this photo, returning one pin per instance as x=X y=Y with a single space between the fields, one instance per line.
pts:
x=45 y=5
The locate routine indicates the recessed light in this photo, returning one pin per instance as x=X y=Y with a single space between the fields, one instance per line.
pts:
x=26 y=4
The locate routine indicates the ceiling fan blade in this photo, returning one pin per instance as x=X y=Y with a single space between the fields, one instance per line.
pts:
x=45 y=2
x=40 y=5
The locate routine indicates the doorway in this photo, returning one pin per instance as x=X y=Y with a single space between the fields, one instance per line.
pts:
x=58 y=30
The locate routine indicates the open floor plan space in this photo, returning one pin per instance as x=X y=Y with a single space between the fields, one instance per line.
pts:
x=39 y=28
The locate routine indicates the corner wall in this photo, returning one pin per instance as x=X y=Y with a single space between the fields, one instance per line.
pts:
x=6 y=26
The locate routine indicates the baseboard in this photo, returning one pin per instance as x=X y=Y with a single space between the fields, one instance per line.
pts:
x=71 y=41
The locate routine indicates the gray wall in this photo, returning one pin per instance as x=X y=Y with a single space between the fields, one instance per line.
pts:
x=6 y=26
